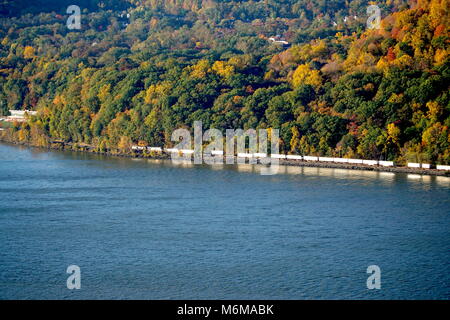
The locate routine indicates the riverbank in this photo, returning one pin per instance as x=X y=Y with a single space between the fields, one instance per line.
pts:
x=297 y=163
x=332 y=165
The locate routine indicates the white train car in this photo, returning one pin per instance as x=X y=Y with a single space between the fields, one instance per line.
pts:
x=325 y=159
x=340 y=160
x=294 y=157
x=426 y=166
x=310 y=158
x=245 y=155
x=413 y=165
x=355 y=161
x=441 y=167
x=154 y=149
x=370 y=162
x=278 y=156
x=260 y=155
x=386 y=163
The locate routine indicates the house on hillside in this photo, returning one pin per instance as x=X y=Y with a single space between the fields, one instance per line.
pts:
x=279 y=40
x=19 y=115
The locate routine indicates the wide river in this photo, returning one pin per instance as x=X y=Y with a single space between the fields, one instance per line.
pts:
x=147 y=229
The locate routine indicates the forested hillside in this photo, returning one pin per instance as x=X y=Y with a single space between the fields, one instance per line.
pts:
x=337 y=89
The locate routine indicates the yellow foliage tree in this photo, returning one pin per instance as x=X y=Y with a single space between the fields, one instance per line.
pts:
x=403 y=62
x=440 y=56
x=393 y=133
x=295 y=140
x=438 y=12
x=152 y=119
x=383 y=65
x=304 y=75
x=125 y=144
x=319 y=49
x=104 y=92
x=200 y=69
x=222 y=69
x=23 y=135
x=434 y=110
x=28 y=52
x=57 y=100
x=304 y=147
x=156 y=91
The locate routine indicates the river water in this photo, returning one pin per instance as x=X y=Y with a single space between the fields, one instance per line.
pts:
x=148 y=229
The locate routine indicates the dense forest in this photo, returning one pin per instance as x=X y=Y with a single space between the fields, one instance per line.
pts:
x=137 y=70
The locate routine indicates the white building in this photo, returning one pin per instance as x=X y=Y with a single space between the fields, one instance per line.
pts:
x=19 y=115
x=278 y=40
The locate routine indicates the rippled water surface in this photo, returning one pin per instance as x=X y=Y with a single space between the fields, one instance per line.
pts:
x=147 y=229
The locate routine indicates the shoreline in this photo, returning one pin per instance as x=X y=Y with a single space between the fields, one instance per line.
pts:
x=332 y=165
x=283 y=162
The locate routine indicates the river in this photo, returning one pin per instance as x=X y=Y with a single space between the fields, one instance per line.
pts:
x=149 y=229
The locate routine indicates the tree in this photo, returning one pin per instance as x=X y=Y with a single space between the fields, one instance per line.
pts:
x=125 y=144
x=303 y=75
x=29 y=52
x=222 y=69
x=436 y=142
x=295 y=141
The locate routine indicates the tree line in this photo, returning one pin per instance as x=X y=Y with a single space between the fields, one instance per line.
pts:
x=337 y=90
